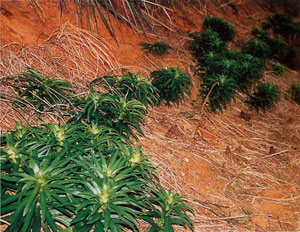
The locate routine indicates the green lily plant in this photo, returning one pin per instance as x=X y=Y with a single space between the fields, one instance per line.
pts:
x=172 y=85
x=219 y=90
x=225 y=30
x=258 y=48
x=131 y=86
x=206 y=41
x=157 y=48
x=295 y=92
x=167 y=209
x=94 y=181
x=114 y=111
x=265 y=96
x=43 y=93
x=278 y=68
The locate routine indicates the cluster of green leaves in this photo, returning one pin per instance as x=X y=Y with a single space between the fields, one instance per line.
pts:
x=281 y=24
x=172 y=85
x=222 y=70
x=258 y=48
x=278 y=68
x=81 y=177
x=43 y=94
x=220 y=89
x=265 y=96
x=295 y=92
x=292 y=57
x=206 y=41
x=225 y=31
x=278 y=48
x=131 y=86
x=111 y=110
x=157 y=49
x=84 y=175
x=244 y=69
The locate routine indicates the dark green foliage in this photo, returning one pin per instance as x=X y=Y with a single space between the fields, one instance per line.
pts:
x=282 y=25
x=232 y=54
x=257 y=48
x=207 y=41
x=157 y=49
x=278 y=47
x=244 y=68
x=278 y=68
x=83 y=178
x=224 y=29
x=292 y=58
x=229 y=67
x=295 y=92
x=168 y=209
x=260 y=34
x=43 y=93
x=219 y=89
x=250 y=71
x=131 y=86
x=207 y=63
x=247 y=69
x=114 y=111
x=172 y=84
x=265 y=96
x=209 y=59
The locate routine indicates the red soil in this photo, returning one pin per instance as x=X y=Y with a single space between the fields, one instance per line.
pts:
x=174 y=141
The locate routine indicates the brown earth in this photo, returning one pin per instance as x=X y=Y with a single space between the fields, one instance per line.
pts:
x=238 y=169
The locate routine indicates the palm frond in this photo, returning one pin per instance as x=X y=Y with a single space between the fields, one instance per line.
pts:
x=136 y=14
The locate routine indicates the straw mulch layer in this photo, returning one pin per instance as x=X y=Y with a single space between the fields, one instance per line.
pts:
x=238 y=169
x=70 y=53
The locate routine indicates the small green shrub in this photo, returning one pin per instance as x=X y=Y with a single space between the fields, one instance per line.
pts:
x=228 y=67
x=232 y=54
x=131 y=86
x=209 y=59
x=219 y=90
x=278 y=48
x=250 y=71
x=292 y=58
x=157 y=49
x=282 y=25
x=260 y=34
x=111 y=110
x=244 y=68
x=224 y=29
x=172 y=84
x=43 y=93
x=295 y=92
x=80 y=177
x=257 y=48
x=278 y=68
x=264 y=97
x=207 y=41
x=168 y=209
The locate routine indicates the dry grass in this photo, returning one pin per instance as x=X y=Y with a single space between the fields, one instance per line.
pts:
x=70 y=53
x=237 y=159
x=236 y=169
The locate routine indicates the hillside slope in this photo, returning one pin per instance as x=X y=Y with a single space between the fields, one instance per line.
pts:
x=238 y=169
